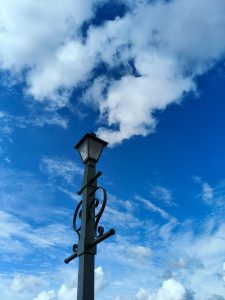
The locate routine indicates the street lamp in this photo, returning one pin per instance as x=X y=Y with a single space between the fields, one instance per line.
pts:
x=90 y=147
x=89 y=232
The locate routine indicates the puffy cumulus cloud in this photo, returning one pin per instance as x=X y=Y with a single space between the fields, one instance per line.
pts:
x=99 y=279
x=20 y=286
x=46 y=295
x=31 y=30
x=131 y=101
x=33 y=35
x=68 y=290
x=142 y=294
x=170 y=290
x=199 y=258
x=165 y=40
x=23 y=283
x=57 y=284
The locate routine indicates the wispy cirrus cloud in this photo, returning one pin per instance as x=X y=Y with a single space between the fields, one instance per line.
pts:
x=152 y=207
x=187 y=257
x=9 y=123
x=211 y=194
x=207 y=193
x=24 y=238
x=163 y=194
x=24 y=194
x=56 y=167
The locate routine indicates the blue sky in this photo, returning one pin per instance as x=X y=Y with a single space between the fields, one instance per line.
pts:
x=148 y=77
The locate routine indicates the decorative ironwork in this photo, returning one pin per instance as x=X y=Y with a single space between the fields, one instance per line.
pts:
x=78 y=209
x=99 y=230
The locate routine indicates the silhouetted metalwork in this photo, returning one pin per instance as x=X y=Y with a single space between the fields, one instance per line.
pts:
x=86 y=220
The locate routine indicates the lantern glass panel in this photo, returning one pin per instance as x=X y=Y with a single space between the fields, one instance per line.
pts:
x=83 y=150
x=95 y=149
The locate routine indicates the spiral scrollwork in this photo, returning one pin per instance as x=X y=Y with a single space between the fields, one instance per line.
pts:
x=77 y=213
x=100 y=229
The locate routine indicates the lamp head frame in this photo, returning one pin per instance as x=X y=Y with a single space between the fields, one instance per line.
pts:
x=90 y=136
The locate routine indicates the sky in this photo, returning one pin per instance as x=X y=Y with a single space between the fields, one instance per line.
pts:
x=148 y=77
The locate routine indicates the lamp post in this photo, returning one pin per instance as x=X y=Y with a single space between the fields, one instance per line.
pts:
x=89 y=232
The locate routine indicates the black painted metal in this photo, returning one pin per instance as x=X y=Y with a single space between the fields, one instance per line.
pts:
x=88 y=231
x=99 y=173
x=71 y=257
x=102 y=237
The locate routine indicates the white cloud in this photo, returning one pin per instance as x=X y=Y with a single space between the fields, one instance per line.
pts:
x=30 y=198
x=170 y=290
x=207 y=193
x=216 y=297
x=187 y=258
x=46 y=295
x=152 y=207
x=165 y=231
x=23 y=283
x=74 y=61
x=132 y=100
x=167 y=43
x=31 y=30
x=99 y=279
x=10 y=122
x=161 y=193
x=68 y=290
x=139 y=253
x=142 y=294
x=24 y=238
x=72 y=195
x=21 y=286
x=60 y=167
x=191 y=258
x=165 y=39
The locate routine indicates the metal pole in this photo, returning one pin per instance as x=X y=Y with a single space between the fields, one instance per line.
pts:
x=86 y=254
x=88 y=230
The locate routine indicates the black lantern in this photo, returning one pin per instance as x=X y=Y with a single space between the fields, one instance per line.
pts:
x=90 y=147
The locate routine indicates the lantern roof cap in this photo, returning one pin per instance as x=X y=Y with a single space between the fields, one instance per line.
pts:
x=93 y=136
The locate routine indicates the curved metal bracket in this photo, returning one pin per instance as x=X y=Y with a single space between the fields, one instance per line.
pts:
x=100 y=229
x=78 y=209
